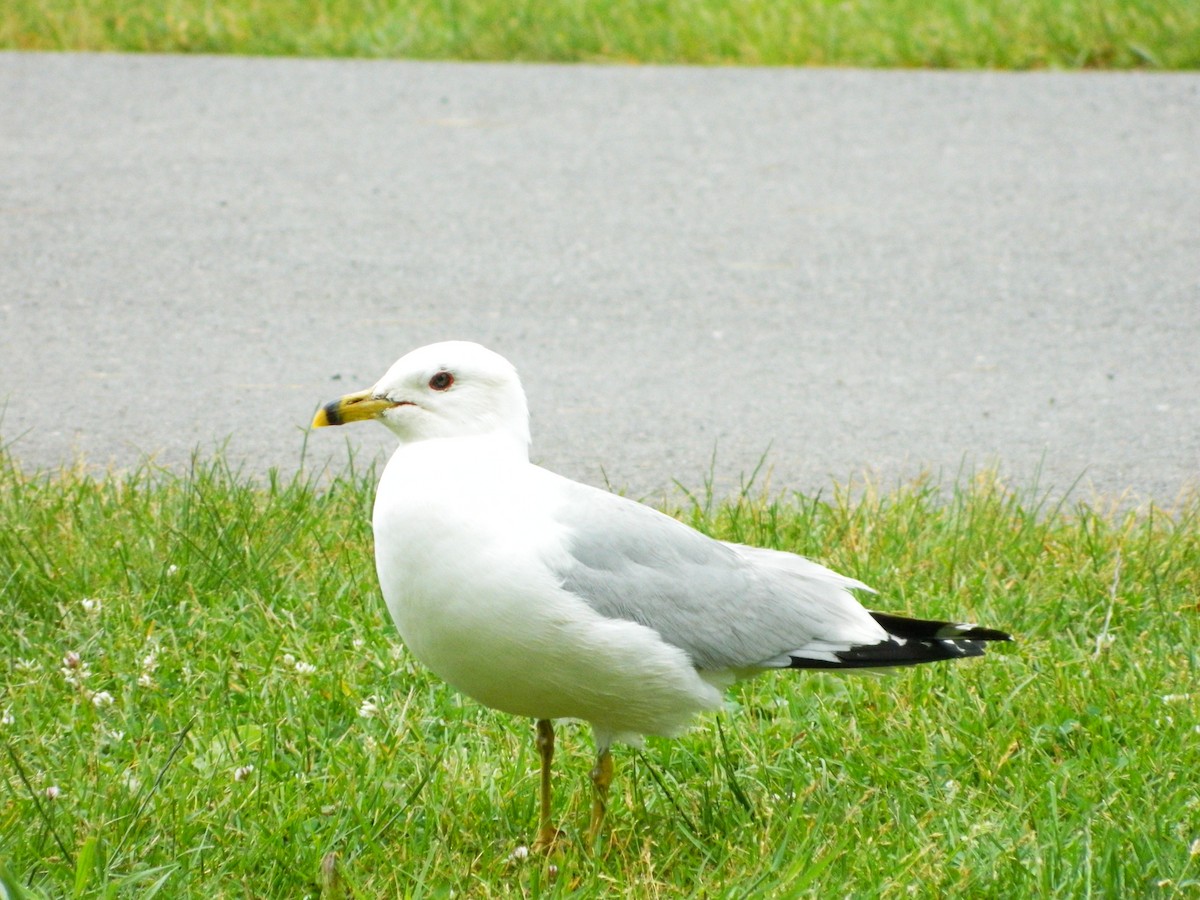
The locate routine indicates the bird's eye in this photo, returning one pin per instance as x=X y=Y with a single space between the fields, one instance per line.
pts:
x=441 y=381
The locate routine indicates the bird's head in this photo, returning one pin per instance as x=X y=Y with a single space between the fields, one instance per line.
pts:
x=447 y=390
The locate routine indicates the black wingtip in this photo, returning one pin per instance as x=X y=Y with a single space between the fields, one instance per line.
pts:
x=891 y=654
x=932 y=629
x=910 y=642
x=987 y=634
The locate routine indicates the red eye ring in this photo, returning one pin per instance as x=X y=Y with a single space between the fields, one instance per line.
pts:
x=441 y=381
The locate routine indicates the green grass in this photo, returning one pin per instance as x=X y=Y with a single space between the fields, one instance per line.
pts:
x=1064 y=765
x=1006 y=34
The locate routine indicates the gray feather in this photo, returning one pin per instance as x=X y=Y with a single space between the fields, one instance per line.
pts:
x=728 y=606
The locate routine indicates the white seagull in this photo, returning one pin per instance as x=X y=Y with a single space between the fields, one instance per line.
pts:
x=543 y=597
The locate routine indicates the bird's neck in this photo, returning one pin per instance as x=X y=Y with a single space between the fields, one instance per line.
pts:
x=500 y=446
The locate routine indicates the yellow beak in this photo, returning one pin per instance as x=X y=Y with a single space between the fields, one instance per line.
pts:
x=351 y=408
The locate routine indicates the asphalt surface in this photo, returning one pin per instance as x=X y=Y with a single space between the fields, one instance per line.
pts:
x=886 y=272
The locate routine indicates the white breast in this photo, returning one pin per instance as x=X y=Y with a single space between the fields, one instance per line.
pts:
x=465 y=541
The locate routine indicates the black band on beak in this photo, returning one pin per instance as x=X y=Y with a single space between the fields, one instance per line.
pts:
x=333 y=413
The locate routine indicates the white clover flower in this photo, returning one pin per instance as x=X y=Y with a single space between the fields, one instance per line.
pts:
x=172 y=570
x=53 y=792
x=149 y=664
x=74 y=669
x=241 y=773
x=1194 y=850
x=519 y=853
x=1175 y=698
x=7 y=718
x=27 y=665
x=91 y=605
x=133 y=784
x=289 y=660
x=101 y=699
x=358 y=643
x=368 y=709
x=303 y=668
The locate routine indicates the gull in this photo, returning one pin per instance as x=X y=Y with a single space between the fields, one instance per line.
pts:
x=543 y=597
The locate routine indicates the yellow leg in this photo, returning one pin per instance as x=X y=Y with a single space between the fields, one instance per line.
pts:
x=547 y=833
x=602 y=775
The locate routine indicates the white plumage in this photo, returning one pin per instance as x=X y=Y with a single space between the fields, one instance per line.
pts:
x=546 y=598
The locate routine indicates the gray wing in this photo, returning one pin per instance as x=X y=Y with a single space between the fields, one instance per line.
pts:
x=727 y=605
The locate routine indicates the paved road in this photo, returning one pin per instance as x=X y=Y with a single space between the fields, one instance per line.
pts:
x=884 y=271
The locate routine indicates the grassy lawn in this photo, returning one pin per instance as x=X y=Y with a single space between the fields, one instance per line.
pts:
x=202 y=697
x=1006 y=34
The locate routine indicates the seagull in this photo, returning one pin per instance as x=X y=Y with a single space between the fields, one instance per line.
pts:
x=543 y=597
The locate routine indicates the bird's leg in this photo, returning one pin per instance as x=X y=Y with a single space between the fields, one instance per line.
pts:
x=547 y=833
x=602 y=774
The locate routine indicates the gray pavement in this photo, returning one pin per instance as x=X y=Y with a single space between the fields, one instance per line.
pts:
x=862 y=271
